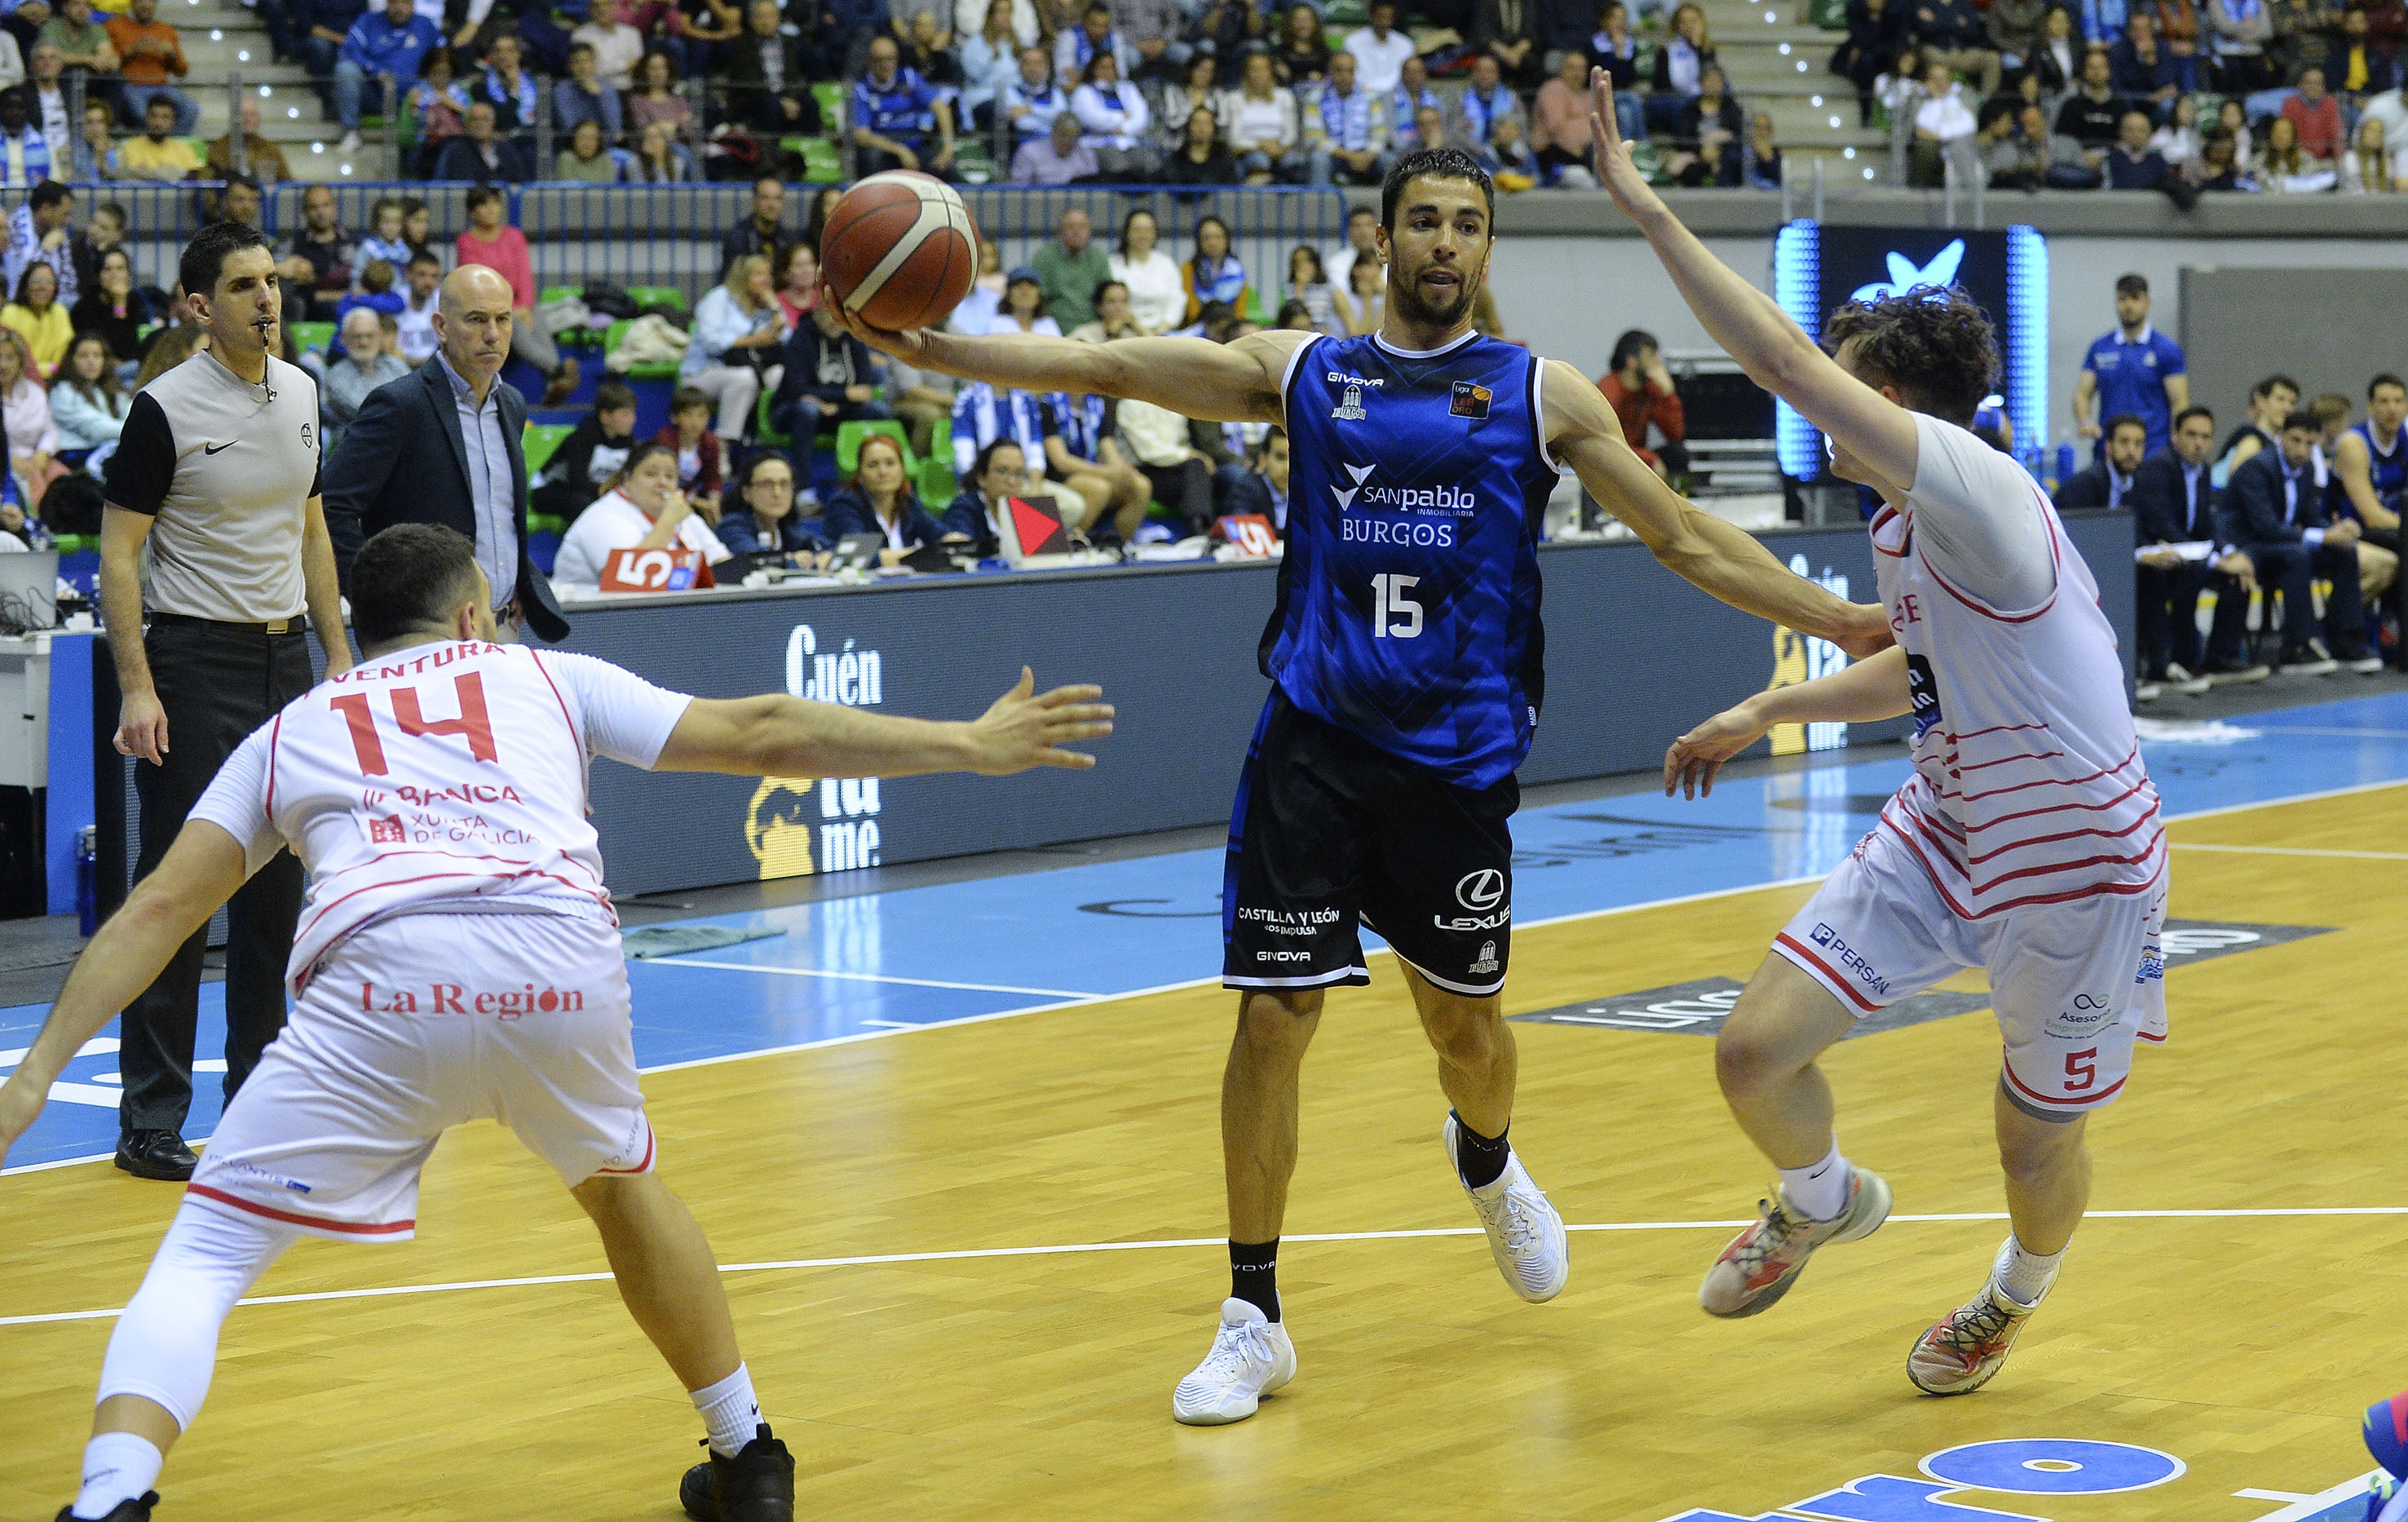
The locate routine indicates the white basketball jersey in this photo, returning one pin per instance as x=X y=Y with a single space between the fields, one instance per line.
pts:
x=447 y=773
x=2028 y=786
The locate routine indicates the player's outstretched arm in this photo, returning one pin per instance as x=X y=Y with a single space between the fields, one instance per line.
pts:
x=777 y=736
x=1862 y=693
x=200 y=870
x=1216 y=383
x=1720 y=558
x=1750 y=326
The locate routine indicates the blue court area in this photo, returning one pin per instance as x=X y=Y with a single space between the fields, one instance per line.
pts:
x=863 y=966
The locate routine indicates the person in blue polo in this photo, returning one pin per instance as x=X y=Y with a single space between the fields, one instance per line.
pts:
x=895 y=113
x=388 y=44
x=2134 y=369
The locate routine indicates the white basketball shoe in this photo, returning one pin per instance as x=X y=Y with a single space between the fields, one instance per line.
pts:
x=1526 y=1236
x=1250 y=1357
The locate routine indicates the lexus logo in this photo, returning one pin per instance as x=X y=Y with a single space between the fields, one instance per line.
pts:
x=1481 y=891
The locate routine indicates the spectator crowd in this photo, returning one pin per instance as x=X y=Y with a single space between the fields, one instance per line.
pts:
x=2184 y=98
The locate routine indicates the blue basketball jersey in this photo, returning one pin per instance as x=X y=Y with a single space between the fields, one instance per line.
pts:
x=1407 y=606
x=2388 y=469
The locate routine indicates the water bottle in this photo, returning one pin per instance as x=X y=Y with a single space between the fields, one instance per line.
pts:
x=2065 y=466
x=87 y=881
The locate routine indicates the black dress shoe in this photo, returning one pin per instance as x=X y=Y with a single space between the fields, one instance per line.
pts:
x=755 y=1485
x=126 y=1510
x=156 y=1155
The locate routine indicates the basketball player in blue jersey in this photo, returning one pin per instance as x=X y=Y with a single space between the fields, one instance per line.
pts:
x=2370 y=465
x=1405 y=653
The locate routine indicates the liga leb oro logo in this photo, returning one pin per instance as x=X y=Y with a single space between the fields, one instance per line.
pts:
x=1469 y=400
x=778 y=827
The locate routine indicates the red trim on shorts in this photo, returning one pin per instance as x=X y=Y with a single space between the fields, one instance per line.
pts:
x=2038 y=1098
x=642 y=1167
x=292 y=1218
x=2153 y=1041
x=1786 y=940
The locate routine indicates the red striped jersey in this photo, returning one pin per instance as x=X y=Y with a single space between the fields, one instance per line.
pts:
x=2028 y=785
x=447 y=776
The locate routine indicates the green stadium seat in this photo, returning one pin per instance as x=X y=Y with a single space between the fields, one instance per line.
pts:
x=762 y=428
x=543 y=440
x=830 y=96
x=663 y=295
x=936 y=483
x=940 y=440
x=616 y=336
x=545 y=523
x=1830 y=15
x=822 y=165
x=556 y=292
x=68 y=544
x=847 y=444
x=307 y=336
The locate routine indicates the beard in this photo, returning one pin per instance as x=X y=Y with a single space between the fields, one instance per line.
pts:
x=1406 y=299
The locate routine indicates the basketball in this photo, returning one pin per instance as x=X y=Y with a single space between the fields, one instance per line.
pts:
x=900 y=250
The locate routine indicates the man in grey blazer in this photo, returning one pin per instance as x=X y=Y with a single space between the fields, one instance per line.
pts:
x=442 y=445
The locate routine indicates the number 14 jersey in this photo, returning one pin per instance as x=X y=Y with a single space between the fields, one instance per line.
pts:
x=1407 y=606
x=449 y=772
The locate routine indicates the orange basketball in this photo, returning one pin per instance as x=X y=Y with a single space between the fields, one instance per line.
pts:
x=899 y=249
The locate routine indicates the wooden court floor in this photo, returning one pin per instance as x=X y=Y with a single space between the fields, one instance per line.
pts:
x=1029 y=1385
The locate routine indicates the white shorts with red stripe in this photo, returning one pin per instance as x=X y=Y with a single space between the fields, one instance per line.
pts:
x=2073 y=983
x=417 y=1024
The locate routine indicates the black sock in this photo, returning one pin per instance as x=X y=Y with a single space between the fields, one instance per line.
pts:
x=1479 y=1159
x=1253 y=1274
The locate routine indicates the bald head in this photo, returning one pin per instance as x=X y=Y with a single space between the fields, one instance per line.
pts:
x=472 y=322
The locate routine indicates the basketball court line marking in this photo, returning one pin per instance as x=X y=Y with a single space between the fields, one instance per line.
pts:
x=2289 y=850
x=1082 y=1000
x=874 y=977
x=1072 y=1249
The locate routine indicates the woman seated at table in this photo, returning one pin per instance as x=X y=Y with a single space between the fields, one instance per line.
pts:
x=761 y=514
x=879 y=500
x=640 y=508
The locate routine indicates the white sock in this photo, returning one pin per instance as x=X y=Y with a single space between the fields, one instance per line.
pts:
x=1820 y=1191
x=730 y=1412
x=2023 y=1274
x=117 y=1467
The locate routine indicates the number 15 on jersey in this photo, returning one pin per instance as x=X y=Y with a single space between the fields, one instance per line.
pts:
x=1392 y=599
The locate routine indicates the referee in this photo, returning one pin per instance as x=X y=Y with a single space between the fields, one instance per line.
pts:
x=213 y=529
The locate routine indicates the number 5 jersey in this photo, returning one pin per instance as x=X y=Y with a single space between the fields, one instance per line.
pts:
x=446 y=775
x=1407 y=608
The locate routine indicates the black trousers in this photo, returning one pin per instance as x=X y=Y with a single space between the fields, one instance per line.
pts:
x=218 y=683
x=1186 y=488
x=2169 y=617
x=2291 y=567
x=2396 y=599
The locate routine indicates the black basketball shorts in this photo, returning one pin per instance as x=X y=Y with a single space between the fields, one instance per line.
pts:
x=1330 y=832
